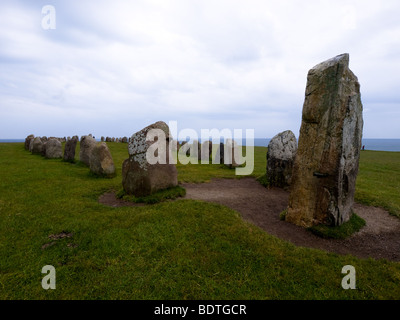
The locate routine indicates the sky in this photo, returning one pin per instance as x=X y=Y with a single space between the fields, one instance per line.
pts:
x=110 y=68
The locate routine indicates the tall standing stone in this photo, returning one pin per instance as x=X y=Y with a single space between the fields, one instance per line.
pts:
x=280 y=159
x=326 y=165
x=86 y=147
x=139 y=177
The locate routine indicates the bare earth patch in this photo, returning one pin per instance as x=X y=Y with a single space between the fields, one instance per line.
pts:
x=110 y=199
x=379 y=239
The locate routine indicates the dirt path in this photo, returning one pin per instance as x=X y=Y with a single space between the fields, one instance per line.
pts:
x=379 y=239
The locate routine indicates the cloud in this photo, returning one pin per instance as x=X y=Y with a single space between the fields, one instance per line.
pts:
x=111 y=68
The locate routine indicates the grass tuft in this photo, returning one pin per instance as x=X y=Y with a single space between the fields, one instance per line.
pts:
x=344 y=231
x=263 y=180
x=157 y=197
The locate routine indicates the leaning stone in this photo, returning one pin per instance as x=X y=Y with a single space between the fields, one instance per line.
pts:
x=326 y=165
x=280 y=159
x=101 y=162
x=139 y=177
x=86 y=147
x=53 y=149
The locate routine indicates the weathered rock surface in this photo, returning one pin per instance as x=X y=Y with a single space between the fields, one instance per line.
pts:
x=280 y=159
x=53 y=149
x=37 y=146
x=326 y=164
x=70 y=149
x=86 y=147
x=205 y=151
x=139 y=177
x=28 y=141
x=101 y=161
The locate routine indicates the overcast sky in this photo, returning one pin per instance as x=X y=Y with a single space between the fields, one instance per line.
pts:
x=111 y=68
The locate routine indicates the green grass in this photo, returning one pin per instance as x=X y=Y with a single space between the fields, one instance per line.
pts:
x=378 y=182
x=182 y=249
x=156 y=197
x=339 y=232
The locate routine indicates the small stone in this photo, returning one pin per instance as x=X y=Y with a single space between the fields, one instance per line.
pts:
x=280 y=159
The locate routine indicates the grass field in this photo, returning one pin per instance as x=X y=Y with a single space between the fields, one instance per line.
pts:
x=174 y=250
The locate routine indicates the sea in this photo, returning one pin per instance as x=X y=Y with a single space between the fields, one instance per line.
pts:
x=392 y=145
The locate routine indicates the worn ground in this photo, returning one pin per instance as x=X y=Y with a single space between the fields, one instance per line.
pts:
x=379 y=239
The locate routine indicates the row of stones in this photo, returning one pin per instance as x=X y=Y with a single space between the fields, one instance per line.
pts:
x=95 y=155
x=109 y=139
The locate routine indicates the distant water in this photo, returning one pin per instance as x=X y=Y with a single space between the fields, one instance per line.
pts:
x=382 y=144
x=370 y=144
x=11 y=140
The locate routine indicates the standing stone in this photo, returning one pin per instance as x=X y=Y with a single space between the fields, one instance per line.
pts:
x=102 y=139
x=37 y=146
x=44 y=145
x=31 y=145
x=219 y=154
x=28 y=141
x=280 y=159
x=87 y=144
x=70 y=148
x=195 y=152
x=231 y=153
x=205 y=151
x=101 y=162
x=53 y=149
x=125 y=140
x=174 y=145
x=326 y=165
x=139 y=177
